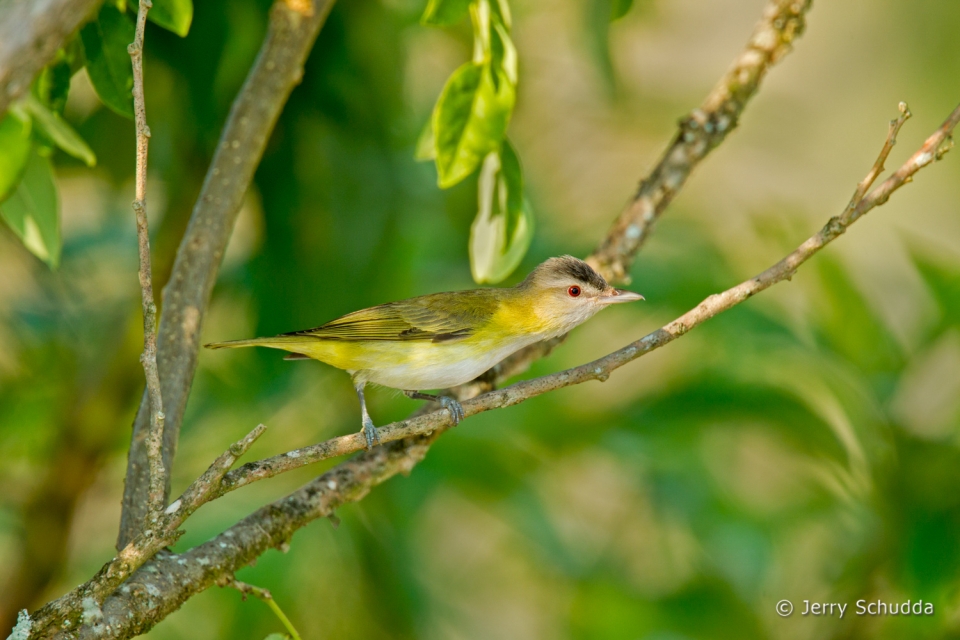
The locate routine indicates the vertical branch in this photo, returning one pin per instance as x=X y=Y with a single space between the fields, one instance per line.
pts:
x=154 y=440
x=291 y=32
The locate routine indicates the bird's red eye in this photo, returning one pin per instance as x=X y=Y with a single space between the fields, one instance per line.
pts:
x=574 y=291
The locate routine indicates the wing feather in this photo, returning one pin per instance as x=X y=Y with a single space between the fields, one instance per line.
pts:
x=438 y=317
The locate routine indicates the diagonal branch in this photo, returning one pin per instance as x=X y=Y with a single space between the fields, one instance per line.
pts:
x=700 y=132
x=292 y=29
x=163 y=584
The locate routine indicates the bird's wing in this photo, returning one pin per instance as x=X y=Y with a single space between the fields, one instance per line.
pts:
x=438 y=317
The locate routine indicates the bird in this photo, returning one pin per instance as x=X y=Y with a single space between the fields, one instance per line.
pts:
x=441 y=340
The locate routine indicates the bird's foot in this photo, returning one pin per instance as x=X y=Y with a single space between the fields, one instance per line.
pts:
x=454 y=407
x=451 y=405
x=370 y=433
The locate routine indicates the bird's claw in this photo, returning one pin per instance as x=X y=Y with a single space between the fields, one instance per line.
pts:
x=370 y=433
x=454 y=407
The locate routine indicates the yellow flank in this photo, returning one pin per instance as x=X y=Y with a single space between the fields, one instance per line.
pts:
x=349 y=356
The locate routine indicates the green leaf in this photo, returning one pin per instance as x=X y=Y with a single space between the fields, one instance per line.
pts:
x=470 y=119
x=597 y=31
x=619 y=8
x=57 y=129
x=502 y=231
x=277 y=636
x=504 y=53
x=511 y=176
x=480 y=19
x=33 y=210
x=502 y=9
x=443 y=13
x=172 y=15
x=73 y=54
x=425 y=148
x=105 y=43
x=53 y=83
x=14 y=150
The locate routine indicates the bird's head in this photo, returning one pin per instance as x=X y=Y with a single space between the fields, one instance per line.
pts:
x=566 y=291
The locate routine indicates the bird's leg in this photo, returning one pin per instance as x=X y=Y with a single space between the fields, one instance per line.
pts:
x=448 y=403
x=368 y=430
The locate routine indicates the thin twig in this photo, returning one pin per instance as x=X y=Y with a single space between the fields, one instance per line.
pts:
x=700 y=132
x=291 y=32
x=263 y=594
x=154 y=438
x=878 y=166
x=142 y=548
x=207 y=486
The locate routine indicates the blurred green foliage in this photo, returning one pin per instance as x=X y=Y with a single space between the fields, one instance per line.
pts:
x=32 y=209
x=800 y=446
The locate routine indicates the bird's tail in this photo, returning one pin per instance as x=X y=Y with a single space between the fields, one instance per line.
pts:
x=287 y=343
x=300 y=347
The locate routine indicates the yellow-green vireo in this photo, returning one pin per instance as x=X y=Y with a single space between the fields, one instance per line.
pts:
x=445 y=339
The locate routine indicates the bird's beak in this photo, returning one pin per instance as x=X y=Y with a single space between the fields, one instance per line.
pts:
x=615 y=296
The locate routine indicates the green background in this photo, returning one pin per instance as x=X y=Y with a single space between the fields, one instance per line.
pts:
x=801 y=446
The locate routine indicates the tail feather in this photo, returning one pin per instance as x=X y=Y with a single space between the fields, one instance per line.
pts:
x=300 y=347
x=287 y=343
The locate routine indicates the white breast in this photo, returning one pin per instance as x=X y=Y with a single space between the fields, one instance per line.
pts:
x=427 y=365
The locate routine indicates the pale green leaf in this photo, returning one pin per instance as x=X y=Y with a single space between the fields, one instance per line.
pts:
x=425 y=148
x=511 y=177
x=33 y=210
x=505 y=53
x=105 y=43
x=502 y=8
x=277 y=636
x=442 y=13
x=172 y=15
x=57 y=129
x=470 y=119
x=480 y=19
x=14 y=151
x=502 y=231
